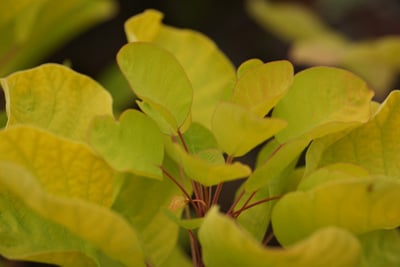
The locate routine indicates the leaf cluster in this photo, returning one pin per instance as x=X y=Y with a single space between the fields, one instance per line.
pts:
x=80 y=187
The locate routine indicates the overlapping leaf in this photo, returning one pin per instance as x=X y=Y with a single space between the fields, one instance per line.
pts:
x=75 y=225
x=323 y=100
x=261 y=87
x=55 y=98
x=159 y=80
x=211 y=74
x=238 y=130
x=142 y=202
x=373 y=146
x=133 y=144
x=225 y=244
x=359 y=205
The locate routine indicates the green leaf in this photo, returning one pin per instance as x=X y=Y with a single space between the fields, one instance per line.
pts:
x=257 y=219
x=94 y=224
x=208 y=167
x=381 y=248
x=198 y=138
x=33 y=29
x=261 y=87
x=115 y=83
x=373 y=145
x=62 y=167
x=330 y=173
x=359 y=205
x=3 y=119
x=238 y=130
x=189 y=224
x=193 y=50
x=142 y=202
x=275 y=157
x=225 y=244
x=133 y=144
x=323 y=100
x=158 y=79
x=55 y=98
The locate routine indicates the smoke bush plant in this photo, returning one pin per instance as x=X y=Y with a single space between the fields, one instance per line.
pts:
x=82 y=188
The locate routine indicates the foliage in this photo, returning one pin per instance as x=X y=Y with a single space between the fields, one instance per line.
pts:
x=314 y=43
x=80 y=187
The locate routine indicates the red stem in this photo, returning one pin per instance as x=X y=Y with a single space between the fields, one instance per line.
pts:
x=237 y=213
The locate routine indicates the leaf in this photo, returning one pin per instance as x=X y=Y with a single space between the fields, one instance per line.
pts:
x=323 y=100
x=3 y=119
x=55 y=98
x=157 y=78
x=238 y=130
x=373 y=145
x=92 y=223
x=33 y=29
x=193 y=50
x=189 y=224
x=62 y=167
x=133 y=144
x=261 y=87
x=248 y=65
x=257 y=219
x=289 y=21
x=381 y=248
x=275 y=158
x=332 y=172
x=198 y=138
x=207 y=168
x=359 y=205
x=225 y=244
x=142 y=202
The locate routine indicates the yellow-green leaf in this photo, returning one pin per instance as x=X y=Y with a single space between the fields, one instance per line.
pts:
x=133 y=144
x=55 y=98
x=194 y=51
x=204 y=168
x=381 y=248
x=247 y=65
x=62 y=167
x=238 y=130
x=374 y=145
x=95 y=224
x=357 y=204
x=261 y=87
x=323 y=100
x=225 y=244
x=158 y=79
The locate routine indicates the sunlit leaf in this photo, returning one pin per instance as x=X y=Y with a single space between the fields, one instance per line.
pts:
x=208 y=167
x=238 y=130
x=359 y=205
x=145 y=211
x=62 y=167
x=133 y=144
x=96 y=225
x=275 y=157
x=247 y=65
x=55 y=98
x=225 y=244
x=373 y=146
x=157 y=77
x=261 y=87
x=194 y=51
x=323 y=100
x=381 y=248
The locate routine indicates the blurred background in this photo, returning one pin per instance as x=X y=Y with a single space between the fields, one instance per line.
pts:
x=360 y=35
